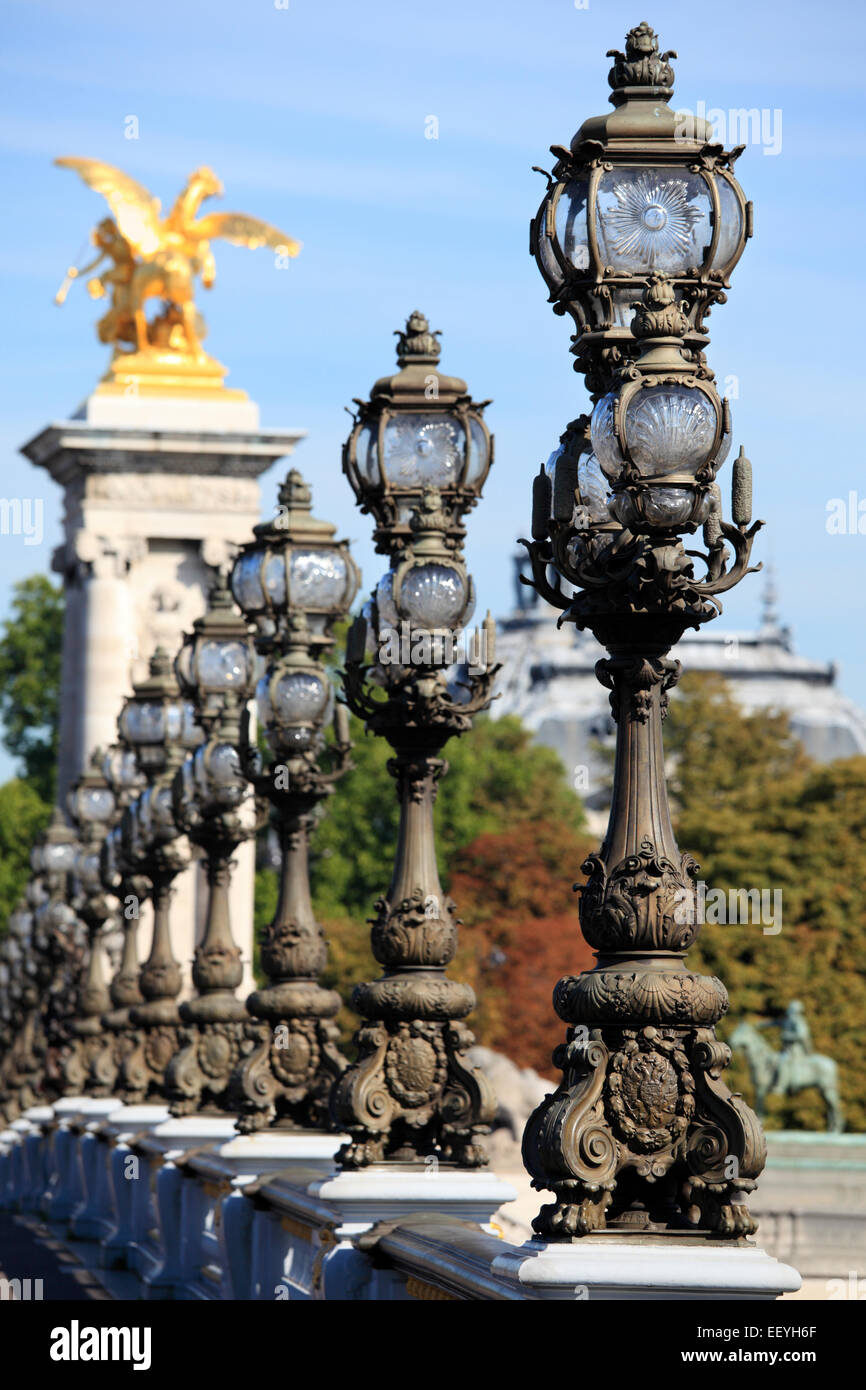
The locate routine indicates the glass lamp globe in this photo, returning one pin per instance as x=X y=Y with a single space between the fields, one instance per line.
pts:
x=216 y=663
x=668 y=429
x=20 y=922
x=579 y=491
x=35 y=892
x=222 y=665
x=436 y=596
x=87 y=871
x=419 y=429
x=640 y=190
x=295 y=565
x=91 y=805
x=669 y=432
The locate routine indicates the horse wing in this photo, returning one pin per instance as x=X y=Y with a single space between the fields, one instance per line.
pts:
x=243 y=230
x=135 y=210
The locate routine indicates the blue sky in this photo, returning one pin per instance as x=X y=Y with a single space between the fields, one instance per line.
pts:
x=314 y=117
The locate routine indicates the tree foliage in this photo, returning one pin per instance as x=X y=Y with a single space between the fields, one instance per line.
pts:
x=23 y=814
x=758 y=815
x=521 y=933
x=30 y=648
x=497 y=781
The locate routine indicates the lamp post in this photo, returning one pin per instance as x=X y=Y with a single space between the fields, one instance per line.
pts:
x=293 y=582
x=417 y=459
x=119 y=877
x=59 y=931
x=159 y=725
x=91 y=807
x=23 y=973
x=216 y=669
x=642 y=1136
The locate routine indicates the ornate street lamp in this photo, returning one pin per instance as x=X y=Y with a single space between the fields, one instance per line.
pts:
x=22 y=974
x=288 y=1079
x=119 y=878
x=91 y=807
x=642 y=1136
x=418 y=463
x=294 y=565
x=158 y=724
x=293 y=582
x=63 y=938
x=216 y=669
x=418 y=429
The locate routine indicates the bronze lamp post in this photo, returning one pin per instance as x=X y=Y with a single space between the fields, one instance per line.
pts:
x=293 y=582
x=216 y=669
x=158 y=724
x=417 y=459
x=120 y=878
x=638 y=232
x=91 y=807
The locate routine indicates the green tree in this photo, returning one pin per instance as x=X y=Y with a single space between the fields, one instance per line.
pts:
x=757 y=814
x=23 y=814
x=497 y=780
x=30 y=647
x=496 y=777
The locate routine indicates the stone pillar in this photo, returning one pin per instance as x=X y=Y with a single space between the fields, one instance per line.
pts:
x=159 y=490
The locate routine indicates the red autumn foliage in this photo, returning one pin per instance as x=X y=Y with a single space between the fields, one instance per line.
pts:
x=520 y=934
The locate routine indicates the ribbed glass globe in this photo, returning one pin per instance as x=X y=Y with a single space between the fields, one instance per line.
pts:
x=318 y=578
x=59 y=859
x=605 y=444
x=93 y=804
x=300 y=697
x=422 y=450
x=435 y=596
x=224 y=764
x=143 y=721
x=246 y=583
x=222 y=665
x=593 y=488
x=385 y=606
x=669 y=429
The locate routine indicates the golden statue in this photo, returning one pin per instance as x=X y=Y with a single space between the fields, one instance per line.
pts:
x=151 y=257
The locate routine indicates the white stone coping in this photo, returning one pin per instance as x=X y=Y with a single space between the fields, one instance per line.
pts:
x=245 y=1157
x=602 y=1267
x=134 y=1119
x=383 y=1191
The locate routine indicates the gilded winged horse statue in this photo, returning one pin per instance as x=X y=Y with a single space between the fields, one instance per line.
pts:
x=150 y=257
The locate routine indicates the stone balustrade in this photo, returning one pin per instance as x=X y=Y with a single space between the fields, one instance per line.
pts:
x=187 y=1209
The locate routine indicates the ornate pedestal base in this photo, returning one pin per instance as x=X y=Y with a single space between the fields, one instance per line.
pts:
x=643 y=1135
x=198 y=1076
